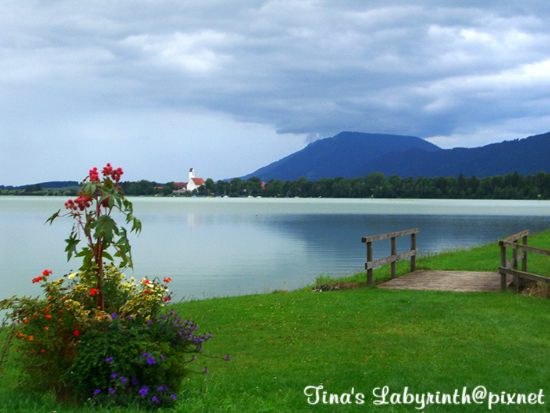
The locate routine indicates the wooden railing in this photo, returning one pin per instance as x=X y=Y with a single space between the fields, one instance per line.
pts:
x=392 y=259
x=512 y=267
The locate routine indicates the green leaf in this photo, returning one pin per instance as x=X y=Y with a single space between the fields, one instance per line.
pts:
x=128 y=206
x=83 y=252
x=86 y=263
x=54 y=216
x=72 y=242
x=136 y=225
x=106 y=228
x=107 y=256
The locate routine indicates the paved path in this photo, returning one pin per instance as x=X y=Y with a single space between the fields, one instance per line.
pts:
x=446 y=281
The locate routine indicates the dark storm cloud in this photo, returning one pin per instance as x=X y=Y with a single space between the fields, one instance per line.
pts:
x=460 y=73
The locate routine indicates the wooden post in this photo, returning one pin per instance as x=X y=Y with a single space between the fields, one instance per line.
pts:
x=370 y=280
x=515 y=265
x=515 y=255
x=524 y=257
x=393 y=254
x=413 y=248
x=503 y=281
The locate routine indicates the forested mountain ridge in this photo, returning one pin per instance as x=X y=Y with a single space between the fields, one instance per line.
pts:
x=354 y=154
x=345 y=155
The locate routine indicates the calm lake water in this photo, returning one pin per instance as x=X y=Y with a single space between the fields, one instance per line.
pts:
x=217 y=247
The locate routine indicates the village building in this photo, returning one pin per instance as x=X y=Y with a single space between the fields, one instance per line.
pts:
x=194 y=182
x=189 y=186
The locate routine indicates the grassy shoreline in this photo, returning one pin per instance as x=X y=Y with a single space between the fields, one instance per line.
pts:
x=361 y=338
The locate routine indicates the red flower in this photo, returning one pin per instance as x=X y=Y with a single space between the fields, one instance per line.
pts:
x=94 y=175
x=48 y=317
x=94 y=291
x=45 y=273
x=37 y=279
x=146 y=281
x=76 y=333
x=167 y=298
x=167 y=280
x=147 y=291
x=117 y=173
x=83 y=202
x=107 y=170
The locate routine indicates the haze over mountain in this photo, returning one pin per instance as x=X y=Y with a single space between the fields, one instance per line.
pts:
x=354 y=154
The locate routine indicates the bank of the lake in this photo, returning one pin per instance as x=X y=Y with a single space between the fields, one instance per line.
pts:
x=360 y=338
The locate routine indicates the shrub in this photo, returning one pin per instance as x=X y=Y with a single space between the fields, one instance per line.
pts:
x=98 y=334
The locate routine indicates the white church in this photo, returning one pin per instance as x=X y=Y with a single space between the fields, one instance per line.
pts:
x=189 y=186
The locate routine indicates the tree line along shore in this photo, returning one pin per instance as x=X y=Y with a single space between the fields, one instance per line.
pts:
x=376 y=185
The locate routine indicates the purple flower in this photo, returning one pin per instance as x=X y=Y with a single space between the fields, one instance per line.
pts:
x=114 y=375
x=97 y=391
x=114 y=316
x=162 y=357
x=123 y=379
x=111 y=390
x=134 y=381
x=173 y=397
x=227 y=357
x=155 y=400
x=145 y=355
x=151 y=361
x=143 y=391
x=162 y=387
x=109 y=359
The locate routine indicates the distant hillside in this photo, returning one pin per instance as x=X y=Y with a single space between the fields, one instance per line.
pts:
x=45 y=185
x=352 y=154
x=346 y=154
x=525 y=156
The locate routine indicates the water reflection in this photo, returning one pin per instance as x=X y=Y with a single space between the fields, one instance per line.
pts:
x=227 y=247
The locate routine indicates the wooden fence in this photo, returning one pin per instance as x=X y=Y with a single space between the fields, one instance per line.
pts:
x=392 y=259
x=512 y=267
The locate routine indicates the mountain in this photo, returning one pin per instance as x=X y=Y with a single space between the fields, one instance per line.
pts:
x=45 y=185
x=353 y=154
x=347 y=154
x=525 y=156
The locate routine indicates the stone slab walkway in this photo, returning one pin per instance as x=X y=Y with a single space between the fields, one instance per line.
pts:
x=446 y=281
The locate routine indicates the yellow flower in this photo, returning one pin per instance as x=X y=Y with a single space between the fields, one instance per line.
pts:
x=72 y=276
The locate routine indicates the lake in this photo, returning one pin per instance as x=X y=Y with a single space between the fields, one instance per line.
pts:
x=230 y=246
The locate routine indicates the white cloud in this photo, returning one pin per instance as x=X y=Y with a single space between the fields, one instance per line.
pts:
x=192 y=52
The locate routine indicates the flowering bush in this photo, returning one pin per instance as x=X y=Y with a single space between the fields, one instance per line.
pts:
x=98 y=334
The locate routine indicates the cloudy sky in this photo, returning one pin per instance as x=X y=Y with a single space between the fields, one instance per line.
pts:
x=225 y=86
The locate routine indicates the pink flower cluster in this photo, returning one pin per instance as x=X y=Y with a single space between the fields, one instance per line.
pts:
x=115 y=174
x=80 y=203
x=94 y=175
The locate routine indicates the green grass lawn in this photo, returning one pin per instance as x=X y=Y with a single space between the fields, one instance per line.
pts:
x=361 y=338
